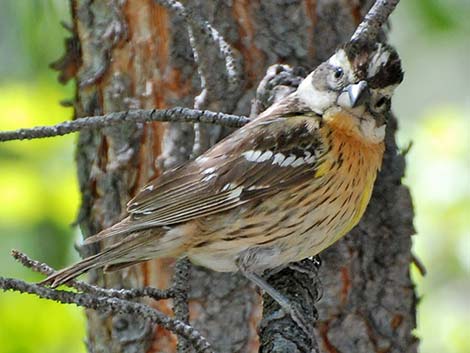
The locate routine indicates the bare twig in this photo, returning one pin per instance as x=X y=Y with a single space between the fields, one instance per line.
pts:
x=91 y=289
x=209 y=48
x=231 y=64
x=136 y=116
x=112 y=305
x=374 y=20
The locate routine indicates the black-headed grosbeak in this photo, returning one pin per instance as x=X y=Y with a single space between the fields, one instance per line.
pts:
x=280 y=189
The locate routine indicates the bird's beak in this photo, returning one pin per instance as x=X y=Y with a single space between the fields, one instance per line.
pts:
x=354 y=95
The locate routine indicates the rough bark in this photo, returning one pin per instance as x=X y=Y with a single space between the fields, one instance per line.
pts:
x=136 y=54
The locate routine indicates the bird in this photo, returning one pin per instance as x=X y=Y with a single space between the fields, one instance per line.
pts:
x=280 y=189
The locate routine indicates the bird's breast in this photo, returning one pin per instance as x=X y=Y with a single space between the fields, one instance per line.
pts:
x=340 y=191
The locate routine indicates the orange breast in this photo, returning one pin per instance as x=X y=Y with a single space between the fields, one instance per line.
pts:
x=353 y=163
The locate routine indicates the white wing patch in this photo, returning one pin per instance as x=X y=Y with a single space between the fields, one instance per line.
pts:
x=298 y=162
x=228 y=186
x=288 y=161
x=208 y=171
x=280 y=159
x=265 y=156
x=209 y=177
x=202 y=159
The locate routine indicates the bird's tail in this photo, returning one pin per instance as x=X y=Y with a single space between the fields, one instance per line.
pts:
x=132 y=249
x=69 y=273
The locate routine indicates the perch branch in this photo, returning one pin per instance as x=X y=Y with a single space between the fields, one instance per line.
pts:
x=90 y=289
x=374 y=20
x=177 y=114
x=112 y=305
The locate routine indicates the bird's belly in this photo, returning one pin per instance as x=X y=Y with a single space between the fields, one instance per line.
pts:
x=220 y=261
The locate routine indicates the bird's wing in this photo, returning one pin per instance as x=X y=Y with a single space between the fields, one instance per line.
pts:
x=257 y=160
x=268 y=154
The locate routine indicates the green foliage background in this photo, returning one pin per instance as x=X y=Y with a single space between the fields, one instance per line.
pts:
x=39 y=193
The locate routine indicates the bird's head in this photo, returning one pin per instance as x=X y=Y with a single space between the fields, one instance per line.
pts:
x=359 y=79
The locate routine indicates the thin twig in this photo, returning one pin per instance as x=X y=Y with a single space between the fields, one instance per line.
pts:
x=91 y=289
x=112 y=305
x=231 y=64
x=374 y=20
x=177 y=114
x=201 y=33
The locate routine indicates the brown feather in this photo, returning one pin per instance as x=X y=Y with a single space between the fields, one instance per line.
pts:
x=197 y=189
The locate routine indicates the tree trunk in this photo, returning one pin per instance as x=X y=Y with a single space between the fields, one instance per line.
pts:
x=136 y=54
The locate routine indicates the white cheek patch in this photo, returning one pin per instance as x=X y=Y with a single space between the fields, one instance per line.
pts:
x=318 y=101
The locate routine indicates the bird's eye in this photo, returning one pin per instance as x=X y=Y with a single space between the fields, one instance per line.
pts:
x=338 y=73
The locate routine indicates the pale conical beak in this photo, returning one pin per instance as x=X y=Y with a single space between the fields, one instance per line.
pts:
x=354 y=95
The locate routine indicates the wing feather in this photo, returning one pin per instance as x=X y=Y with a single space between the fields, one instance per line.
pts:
x=225 y=178
x=230 y=175
x=192 y=191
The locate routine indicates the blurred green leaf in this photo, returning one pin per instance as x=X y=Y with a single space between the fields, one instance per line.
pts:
x=30 y=324
x=441 y=15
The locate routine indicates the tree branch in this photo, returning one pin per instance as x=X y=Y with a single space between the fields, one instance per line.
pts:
x=112 y=305
x=43 y=268
x=178 y=114
x=374 y=20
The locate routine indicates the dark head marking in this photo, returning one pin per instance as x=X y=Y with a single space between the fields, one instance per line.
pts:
x=377 y=63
